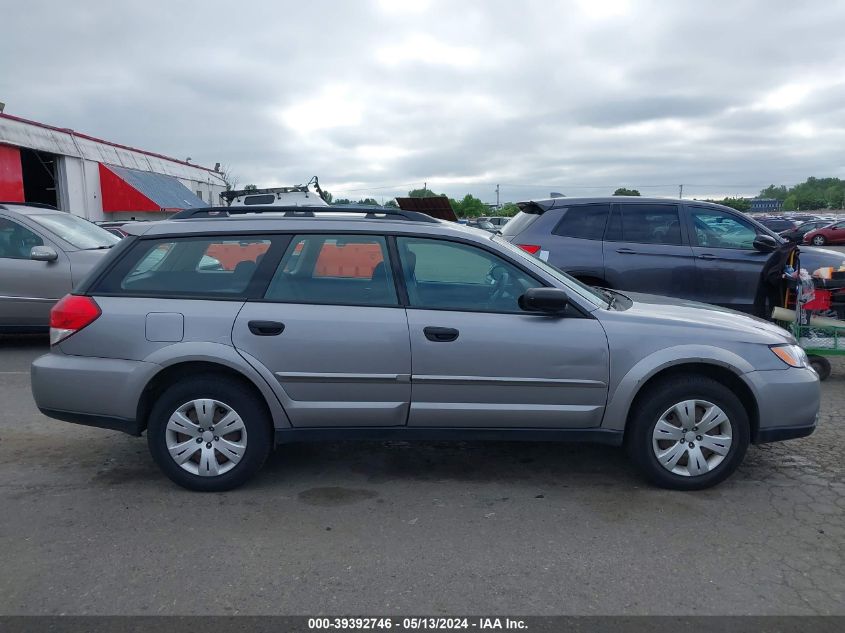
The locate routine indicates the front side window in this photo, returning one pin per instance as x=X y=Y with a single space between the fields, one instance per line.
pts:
x=189 y=267
x=584 y=222
x=16 y=241
x=716 y=229
x=646 y=224
x=453 y=276
x=335 y=269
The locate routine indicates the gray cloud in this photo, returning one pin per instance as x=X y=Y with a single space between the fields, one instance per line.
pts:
x=571 y=96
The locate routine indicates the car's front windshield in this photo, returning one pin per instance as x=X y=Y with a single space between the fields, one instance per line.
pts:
x=593 y=295
x=77 y=232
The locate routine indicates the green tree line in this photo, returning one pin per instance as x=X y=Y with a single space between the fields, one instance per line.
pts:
x=813 y=193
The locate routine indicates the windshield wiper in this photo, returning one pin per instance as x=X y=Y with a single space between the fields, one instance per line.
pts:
x=610 y=297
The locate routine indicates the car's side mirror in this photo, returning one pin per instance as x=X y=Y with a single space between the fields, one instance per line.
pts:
x=544 y=300
x=43 y=254
x=765 y=243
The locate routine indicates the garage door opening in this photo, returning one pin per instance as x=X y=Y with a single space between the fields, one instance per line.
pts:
x=39 y=177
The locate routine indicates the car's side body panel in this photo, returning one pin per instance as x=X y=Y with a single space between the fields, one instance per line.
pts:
x=333 y=365
x=549 y=372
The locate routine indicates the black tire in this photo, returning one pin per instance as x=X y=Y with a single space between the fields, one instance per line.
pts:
x=236 y=395
x=821 y=365
x=661 y=397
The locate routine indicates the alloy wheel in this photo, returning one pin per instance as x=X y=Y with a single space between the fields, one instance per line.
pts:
x=692 y=438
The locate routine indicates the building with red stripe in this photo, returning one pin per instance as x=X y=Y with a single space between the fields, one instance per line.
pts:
x=97 y=179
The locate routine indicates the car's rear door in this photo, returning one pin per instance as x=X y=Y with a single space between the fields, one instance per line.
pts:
x=646 y=250
x=727 y=264
x=479 y=361
x=333 y=333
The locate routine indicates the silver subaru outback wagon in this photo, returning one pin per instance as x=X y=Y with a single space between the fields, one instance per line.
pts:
x=376 y=324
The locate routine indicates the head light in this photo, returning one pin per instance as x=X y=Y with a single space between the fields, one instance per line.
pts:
x=792 y=355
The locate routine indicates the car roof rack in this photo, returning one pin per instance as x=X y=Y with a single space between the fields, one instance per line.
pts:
x=369 y=212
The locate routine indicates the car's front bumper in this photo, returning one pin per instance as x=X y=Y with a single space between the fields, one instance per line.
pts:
x=788 y=402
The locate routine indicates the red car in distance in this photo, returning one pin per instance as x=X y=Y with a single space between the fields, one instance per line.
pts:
x=831 y=234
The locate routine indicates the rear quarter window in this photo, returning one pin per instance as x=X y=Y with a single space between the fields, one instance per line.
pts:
x=186 y=267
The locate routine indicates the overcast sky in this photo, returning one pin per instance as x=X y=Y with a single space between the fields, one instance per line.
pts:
x=378 y=96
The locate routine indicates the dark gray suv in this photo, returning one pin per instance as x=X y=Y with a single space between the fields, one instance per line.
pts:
x=677 y=248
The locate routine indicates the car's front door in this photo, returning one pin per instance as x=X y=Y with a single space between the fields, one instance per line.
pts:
x=837 y=233
x=646 y=250
x=28 y=288
x=727 y=264
x=479 y=361
x=331 y=330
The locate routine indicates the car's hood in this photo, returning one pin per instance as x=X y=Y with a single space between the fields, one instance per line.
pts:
x=668 y=311
x=81 y=263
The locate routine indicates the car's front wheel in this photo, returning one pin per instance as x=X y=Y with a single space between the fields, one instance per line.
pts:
x=209 y=433
x=819 y=240
x=688 y=433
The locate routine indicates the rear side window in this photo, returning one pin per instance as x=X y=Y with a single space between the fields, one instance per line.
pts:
x=585 y=222
x=335 y=269
x=645 y=224
x=267 y=198
x=187 y=267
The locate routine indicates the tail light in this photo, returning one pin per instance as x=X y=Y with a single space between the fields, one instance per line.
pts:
x=71 y=314
x=533 y=249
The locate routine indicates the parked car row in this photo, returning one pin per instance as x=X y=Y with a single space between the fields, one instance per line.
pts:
x=491 y=223
x=810 y=229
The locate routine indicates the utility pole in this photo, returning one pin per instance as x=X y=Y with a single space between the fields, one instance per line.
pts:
x=498 y=206
x=681 y=191
x=425 y=188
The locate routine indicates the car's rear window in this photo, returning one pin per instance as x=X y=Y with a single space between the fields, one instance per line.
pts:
x=520 y=222
x=186 y=267
x=267 y=198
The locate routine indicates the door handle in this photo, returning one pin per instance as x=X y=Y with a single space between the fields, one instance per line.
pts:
x=707 y=256
x=440 y=334
x=266 y=328
x=626 y=251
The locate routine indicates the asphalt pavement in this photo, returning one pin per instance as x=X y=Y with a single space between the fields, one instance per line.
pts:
x=89 y=526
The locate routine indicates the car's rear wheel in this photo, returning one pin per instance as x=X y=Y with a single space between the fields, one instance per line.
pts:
x=819 y=240
x=209 y=433
x=688 y=433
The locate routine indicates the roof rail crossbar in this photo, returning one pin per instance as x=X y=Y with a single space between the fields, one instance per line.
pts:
x=368 y=212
